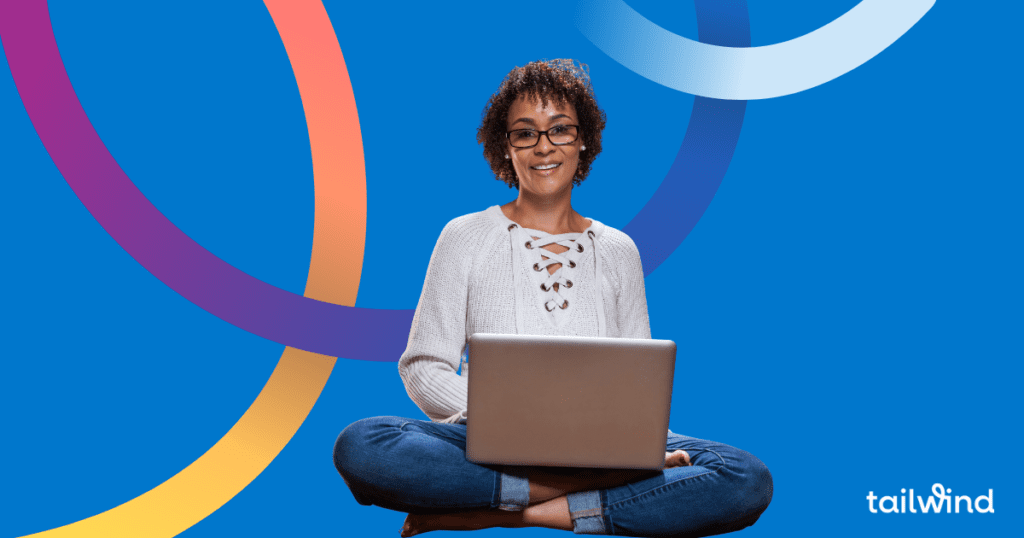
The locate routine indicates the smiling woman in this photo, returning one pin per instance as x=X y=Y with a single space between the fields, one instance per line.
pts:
x=543 y=149
x=534 y=266
x=560 y=83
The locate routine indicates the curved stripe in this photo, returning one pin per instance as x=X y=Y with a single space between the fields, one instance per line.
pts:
x=153 y=240
x=294 y=386
x=339 y=171
x=725 y=72
x=704 y=156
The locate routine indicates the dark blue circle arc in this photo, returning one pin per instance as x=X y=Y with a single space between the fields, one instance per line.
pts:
x=705 y=153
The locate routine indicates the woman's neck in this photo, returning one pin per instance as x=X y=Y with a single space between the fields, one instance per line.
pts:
x=553 y=216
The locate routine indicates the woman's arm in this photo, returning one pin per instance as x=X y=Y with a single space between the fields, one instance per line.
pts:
x=632 y=297
x=428 y=366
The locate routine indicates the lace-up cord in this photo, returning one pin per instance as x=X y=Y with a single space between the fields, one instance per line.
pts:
x=553 y=298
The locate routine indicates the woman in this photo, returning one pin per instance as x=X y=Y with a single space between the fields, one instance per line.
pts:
x=534 y=266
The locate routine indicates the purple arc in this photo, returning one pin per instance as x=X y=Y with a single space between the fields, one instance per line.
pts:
x=279 y=315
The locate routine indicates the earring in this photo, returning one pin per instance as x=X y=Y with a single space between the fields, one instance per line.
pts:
x=506 y=155
x=583 y=148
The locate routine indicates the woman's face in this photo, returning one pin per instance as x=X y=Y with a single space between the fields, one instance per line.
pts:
x=544 y=169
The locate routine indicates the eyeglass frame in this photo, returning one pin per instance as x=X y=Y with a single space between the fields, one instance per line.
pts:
x=542 y=133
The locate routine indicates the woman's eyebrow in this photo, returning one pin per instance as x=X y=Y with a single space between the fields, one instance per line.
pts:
x=552 y=118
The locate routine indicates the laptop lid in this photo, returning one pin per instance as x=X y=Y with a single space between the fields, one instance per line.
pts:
x=569 y=401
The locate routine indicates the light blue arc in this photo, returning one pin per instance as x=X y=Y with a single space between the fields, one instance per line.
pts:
x=746 y=73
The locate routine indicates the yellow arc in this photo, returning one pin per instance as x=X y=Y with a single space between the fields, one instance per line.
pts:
x=339 y=235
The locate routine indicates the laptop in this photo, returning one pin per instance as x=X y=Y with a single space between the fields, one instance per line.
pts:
x=569 y=401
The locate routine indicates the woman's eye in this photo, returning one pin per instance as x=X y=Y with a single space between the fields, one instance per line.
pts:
x=524 y=135
x=559 y=129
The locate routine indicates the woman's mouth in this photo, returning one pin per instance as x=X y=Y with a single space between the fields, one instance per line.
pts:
x=544 y=167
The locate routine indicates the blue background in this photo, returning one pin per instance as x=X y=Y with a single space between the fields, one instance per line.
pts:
x=848 y=309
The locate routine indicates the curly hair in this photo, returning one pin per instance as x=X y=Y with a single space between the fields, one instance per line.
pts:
x=561 y=81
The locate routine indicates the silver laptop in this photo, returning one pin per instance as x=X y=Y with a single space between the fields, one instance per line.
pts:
x=569 y=401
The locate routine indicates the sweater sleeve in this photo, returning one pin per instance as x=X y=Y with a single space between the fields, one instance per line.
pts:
x=438 y=335
x=632 y=297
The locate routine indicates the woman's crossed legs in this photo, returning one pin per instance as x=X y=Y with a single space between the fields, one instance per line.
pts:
x=420 y=467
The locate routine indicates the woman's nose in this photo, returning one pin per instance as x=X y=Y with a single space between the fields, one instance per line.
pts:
x=544 y=144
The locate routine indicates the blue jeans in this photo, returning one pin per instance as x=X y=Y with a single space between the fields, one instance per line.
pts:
x=418 y=466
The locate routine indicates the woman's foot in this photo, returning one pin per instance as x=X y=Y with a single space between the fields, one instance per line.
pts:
x=469 y=520
x=679 y=458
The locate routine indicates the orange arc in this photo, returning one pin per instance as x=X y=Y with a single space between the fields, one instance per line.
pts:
x=339 y=235
x=336 y=143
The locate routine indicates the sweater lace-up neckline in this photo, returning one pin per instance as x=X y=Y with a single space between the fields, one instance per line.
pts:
x=555 y=287
x=526 y=243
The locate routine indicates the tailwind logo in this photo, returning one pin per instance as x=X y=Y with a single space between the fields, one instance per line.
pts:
x=940 y=497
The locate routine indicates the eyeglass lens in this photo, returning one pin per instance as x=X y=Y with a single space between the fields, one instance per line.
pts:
x=558 y=135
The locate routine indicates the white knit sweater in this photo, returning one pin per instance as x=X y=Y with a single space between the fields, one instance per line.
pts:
x=482 y=278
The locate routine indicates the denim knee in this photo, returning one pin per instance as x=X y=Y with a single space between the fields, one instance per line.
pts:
x=348 y=445
x=745 y=492
x=353 y=454
x=754 y=486
x=746 y=495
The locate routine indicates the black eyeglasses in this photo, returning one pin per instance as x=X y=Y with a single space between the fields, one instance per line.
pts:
x=559 y=135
